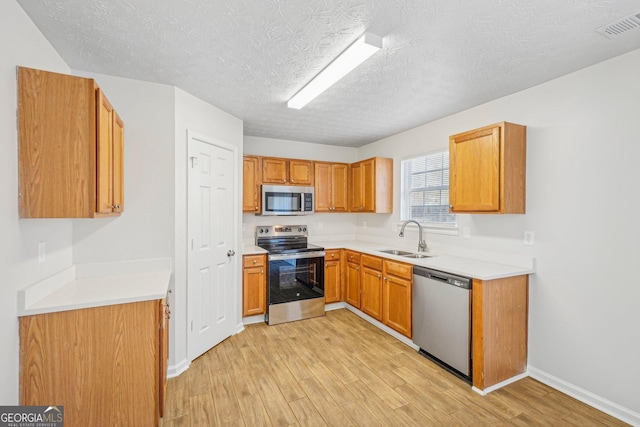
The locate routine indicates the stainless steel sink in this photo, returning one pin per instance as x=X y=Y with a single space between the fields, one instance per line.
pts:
x=417 y=256
x=395 y=252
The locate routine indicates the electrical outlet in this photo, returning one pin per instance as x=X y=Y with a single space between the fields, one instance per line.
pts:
x=320 y=225
x=364 y=224
x=42 y=252
x=466 y=232
x=528 y=238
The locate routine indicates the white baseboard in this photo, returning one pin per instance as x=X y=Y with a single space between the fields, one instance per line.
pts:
x=252 y=319
x=591 y=399
x=178 y=368
x=382 y=326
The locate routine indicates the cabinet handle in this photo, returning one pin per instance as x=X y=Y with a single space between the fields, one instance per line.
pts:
x=381 y=276
x=284 y=181
x=292 y=181
x=261 y=271
x=256 y=208
x=326 y=265
x=115 y=206
x=332 y=255
x=254 y=261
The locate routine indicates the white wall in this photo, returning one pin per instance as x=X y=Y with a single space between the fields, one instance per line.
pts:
x=583 y=147
x=196 y=115
x=22 y=44
x=324 y=226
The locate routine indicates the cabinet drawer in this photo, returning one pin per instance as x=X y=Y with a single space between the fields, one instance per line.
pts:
x=253 y=260
x=372 y=262
x=353 y=257
x=398 y=269
x=332 y=254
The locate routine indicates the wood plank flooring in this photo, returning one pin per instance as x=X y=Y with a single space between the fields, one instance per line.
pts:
x=339 y=370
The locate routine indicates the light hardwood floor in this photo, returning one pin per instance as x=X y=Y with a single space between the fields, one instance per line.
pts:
x=339 y=370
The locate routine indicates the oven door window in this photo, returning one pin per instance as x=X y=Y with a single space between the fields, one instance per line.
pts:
x=282 y=202
x=296 y=279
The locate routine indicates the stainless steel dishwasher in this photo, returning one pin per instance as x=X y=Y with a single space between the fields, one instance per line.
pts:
x=442 y=319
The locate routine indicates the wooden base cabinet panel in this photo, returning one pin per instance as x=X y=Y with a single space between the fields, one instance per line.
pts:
x=397 y=296
x=332 y=276
x=500 y=316
x=254 y=285
x=352 y=278
x=104 y=364
x=371 y=293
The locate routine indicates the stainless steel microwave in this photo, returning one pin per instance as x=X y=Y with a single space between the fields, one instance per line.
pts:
x=287 y=200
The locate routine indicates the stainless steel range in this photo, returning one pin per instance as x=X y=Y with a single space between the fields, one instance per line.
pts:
x=295 y=273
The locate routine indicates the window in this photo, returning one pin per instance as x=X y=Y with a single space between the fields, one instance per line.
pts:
x=425 y=190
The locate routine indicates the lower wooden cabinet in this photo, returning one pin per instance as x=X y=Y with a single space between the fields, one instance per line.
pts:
x=352 y=276
x=254 y=285
x=397 y=296
x=499 y=326
x=332 y=276
x=105 y=365
x=371 y=286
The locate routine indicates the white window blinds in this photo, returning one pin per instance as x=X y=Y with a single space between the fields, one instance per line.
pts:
x=425 y=190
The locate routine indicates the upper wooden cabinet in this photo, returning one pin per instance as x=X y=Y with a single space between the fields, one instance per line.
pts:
x=372 y=186
x=488 y=170
x=287 y=171
x=70 y=148
x=251 y=184
x=331 y=188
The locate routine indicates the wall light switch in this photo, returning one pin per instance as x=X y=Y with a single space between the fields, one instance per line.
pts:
x=42 y=252
x=528 y=238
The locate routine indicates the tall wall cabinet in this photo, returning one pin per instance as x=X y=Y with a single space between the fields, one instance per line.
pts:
x=70 y=148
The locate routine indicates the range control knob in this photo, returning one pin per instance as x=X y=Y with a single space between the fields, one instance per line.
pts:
x=304 y=229
x=260 y=230
x=299 y=229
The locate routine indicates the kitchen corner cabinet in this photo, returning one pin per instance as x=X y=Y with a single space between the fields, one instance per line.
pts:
x=499 y=329
x=371 y=186
x=251 y=170
x=254 y=285
x=70 y=148
x=332 y=276
x=331 y=187
x=106 y=365
x=287 y=171
x=488 y=170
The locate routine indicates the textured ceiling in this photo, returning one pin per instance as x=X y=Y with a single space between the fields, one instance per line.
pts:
x=248 y=57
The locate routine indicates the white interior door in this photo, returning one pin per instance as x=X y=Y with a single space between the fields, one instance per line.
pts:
x=212 y=278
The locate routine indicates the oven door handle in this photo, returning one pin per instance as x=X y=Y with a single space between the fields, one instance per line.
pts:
x=300 y=255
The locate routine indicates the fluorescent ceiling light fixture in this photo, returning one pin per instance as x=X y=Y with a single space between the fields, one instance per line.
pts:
x=354 y=55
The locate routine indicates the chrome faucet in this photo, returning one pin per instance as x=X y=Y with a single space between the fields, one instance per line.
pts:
x=422 y=245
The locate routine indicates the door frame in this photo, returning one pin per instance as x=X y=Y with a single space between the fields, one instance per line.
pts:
x=192 y=135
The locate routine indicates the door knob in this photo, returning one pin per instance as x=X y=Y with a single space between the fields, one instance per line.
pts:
x=231 y=252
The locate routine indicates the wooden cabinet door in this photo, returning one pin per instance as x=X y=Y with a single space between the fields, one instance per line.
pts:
x=356 y=199
x=332 y=282
x=340 y=187
x=475 y=171
x=254 y=285
x=352 y=295
x=118 y=164
x=251 y=184
x=164 y=315
x=397 y=304
x=368 y=186
x=274 y=171
x=301 y=172
x=323 y=187
x=371 y=294
x=104 y=165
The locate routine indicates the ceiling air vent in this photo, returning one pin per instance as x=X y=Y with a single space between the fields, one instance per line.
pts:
x=621 y=26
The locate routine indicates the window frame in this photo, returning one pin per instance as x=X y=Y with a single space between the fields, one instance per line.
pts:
x=405 y=208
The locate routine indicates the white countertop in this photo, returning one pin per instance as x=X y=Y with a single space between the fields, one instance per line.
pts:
x=97 y=284
x=468 y=267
